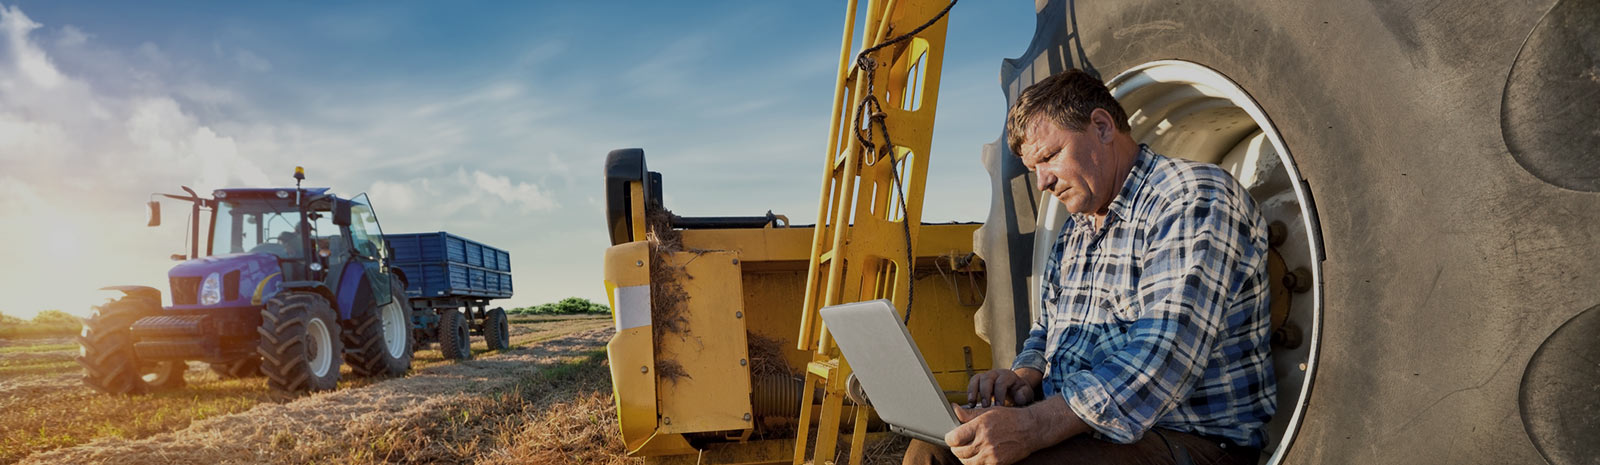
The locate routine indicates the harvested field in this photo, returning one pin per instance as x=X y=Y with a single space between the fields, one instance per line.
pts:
x=442 y=412
x=547 y=400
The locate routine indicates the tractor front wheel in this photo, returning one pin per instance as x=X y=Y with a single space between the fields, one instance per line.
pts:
x=106 y=349
x=300 y=347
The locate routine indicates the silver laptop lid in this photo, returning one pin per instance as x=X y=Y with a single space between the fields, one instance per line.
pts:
x=891 y=369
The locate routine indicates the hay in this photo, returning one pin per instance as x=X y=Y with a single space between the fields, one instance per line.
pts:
x=766 y=357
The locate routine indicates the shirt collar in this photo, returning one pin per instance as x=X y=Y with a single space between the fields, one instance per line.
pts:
x=1121 y=206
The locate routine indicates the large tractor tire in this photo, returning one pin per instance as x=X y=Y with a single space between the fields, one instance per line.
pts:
x=300 y=347
x=497 y=330
x=382 y=338
x=455 y=336
x=1451 y=150
x=106 y=351
x=242 y=368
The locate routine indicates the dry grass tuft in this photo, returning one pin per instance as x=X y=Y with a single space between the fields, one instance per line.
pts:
x=766 y=357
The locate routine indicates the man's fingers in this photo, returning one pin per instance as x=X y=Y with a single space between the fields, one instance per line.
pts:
x=960 y=436
x=985 y=390
x=972 y=388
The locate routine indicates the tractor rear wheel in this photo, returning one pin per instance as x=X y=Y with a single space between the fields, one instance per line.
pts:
x=106 y=346
x=300 y=343
x=454 y=341
x=241 y=368
x=382 y=337
x=497 y=330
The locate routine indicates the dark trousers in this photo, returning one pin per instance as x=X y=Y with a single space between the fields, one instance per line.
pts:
x=1158 y=446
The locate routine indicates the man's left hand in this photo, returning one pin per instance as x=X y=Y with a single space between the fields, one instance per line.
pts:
x=992 y=435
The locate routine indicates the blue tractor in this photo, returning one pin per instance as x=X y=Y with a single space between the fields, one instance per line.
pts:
x=281 y=282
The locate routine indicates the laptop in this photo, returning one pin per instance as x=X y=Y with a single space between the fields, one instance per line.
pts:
x=891 y=369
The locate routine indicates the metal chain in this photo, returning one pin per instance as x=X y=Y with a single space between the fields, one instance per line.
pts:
x=865 y=63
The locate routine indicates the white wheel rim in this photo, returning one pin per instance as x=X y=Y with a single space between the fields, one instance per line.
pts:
x=319 y=344
x=394 y=327
x=157 y=371
x=1178 y=103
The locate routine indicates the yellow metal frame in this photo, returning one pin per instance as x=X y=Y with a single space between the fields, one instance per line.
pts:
x=858 y=249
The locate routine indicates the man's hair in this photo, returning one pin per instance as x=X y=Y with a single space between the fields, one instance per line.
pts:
x=1067 y=99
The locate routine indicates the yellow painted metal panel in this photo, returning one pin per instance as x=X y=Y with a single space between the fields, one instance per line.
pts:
x=714 y=394
x=632 y=360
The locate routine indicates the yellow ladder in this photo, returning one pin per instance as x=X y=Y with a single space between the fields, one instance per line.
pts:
x=872 y=190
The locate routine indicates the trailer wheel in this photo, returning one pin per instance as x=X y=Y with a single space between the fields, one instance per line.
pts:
x=497 y=330
x=382 y=338
x=105 y=346
x=299 y=343
x=454 y=341
x=241 y=368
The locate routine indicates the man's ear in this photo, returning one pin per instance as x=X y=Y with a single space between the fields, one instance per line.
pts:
x=1100 y=122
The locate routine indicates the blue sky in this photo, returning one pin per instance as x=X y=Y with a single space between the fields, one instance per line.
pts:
x=490 y=121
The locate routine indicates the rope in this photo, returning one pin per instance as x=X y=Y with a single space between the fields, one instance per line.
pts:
x=876 y=118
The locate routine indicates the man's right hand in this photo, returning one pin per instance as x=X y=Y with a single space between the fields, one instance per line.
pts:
x=1004 y=387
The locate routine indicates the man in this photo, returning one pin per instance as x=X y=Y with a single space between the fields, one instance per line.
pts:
x=1152 y=341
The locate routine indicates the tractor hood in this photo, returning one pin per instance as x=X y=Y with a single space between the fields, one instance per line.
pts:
x=244 y=279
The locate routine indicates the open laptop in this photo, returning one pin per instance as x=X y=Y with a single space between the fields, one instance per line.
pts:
x=891 y=369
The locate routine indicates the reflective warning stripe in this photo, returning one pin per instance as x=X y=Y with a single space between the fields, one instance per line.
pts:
x=633 y=307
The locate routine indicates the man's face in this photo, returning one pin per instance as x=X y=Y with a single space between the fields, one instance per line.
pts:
x=1073 y=166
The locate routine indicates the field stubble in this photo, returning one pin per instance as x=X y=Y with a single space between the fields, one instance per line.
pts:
x=545 y=400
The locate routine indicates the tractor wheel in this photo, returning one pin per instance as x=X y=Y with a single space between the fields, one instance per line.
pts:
x=242 y=368
x=497 y=330
x=1450 y=146
x=382 y=338
x=454 y=339
x=106 y=346
x=300 y=343
x=164 y=375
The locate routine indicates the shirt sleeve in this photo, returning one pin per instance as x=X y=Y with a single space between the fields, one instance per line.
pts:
x=1032 y=354
x=1189 y=268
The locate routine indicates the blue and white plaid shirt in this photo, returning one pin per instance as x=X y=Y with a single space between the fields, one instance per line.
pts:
x=1161 y=318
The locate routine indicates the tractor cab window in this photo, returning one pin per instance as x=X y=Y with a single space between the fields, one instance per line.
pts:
x=257 y=226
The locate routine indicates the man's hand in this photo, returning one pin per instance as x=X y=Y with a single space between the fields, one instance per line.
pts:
x=1002 y=435
x=1004 y=387
x=992 y=435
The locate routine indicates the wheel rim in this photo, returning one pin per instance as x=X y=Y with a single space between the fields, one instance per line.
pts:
x=318 y=344
x=1189 y=110
x=394 y=328
x=157 y=373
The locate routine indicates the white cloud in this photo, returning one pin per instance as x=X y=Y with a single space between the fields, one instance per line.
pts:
x=528 y=196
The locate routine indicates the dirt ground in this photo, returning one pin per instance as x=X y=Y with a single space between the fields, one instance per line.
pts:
x=52 y=418
x=546 y=400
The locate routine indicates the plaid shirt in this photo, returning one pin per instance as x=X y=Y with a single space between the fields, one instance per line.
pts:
x=1160 y=319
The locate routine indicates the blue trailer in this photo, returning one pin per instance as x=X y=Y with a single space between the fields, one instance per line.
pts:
x=449 y=282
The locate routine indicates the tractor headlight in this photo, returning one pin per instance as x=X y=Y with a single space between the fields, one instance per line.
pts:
x=211 y=290
x=316 y=266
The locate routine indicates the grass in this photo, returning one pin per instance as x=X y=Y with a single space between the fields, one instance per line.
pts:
x=38 y=348
x=47 y=407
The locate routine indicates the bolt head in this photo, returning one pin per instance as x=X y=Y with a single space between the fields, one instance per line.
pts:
x=666 y=420
x=743 y=362
x=644 y=369
x=736 y=261
x=638 y=263
x=738 y=314
x=747 y=417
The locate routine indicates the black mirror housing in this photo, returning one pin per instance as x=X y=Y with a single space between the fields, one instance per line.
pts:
x=341 y=212
x=155 y=213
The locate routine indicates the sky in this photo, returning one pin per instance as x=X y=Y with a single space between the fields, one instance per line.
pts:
x=491 y=122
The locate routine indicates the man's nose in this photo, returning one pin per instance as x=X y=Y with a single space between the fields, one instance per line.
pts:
x=1043 y=181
